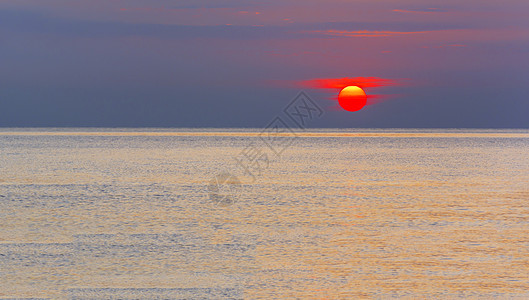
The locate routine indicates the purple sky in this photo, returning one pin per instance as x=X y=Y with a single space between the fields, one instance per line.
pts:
x=231 y=63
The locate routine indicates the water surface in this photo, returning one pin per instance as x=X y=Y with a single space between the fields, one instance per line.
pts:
x=121 y=213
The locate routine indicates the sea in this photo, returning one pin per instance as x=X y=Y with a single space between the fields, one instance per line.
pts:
x=204 y=213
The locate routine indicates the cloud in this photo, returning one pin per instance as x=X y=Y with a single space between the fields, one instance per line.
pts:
x=394 y=26
x=430 y=10
x=30 y=22
x=365 y=33
x=21 y=21
x=340 y=83
x=447 y=46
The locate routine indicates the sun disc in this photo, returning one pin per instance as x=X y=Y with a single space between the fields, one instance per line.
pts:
x=352 y=98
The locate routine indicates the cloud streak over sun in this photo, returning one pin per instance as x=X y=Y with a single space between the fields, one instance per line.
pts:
x=335 y=85
x=340 y=83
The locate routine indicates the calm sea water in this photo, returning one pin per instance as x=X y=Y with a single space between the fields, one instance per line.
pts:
x=217 y=213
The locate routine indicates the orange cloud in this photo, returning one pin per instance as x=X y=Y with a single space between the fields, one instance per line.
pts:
x=446 y=46
x=427 y=11
x=365 y=33
x=340 y=83
x=371 y=100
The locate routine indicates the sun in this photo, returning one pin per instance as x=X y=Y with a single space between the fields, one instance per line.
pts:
x=352 y=98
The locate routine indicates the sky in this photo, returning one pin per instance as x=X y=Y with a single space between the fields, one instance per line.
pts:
x=235 y=63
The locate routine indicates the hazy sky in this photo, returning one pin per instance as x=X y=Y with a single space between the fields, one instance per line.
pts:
x=235 y=63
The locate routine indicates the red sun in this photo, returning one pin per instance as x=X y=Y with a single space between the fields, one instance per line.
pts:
x=352 y=98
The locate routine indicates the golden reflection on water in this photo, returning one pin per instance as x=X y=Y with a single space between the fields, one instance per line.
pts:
x=338 y=215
